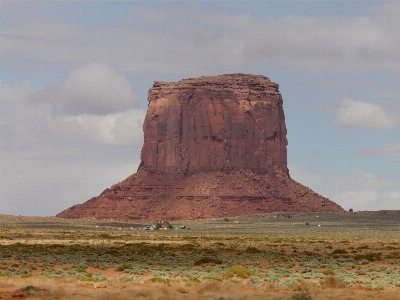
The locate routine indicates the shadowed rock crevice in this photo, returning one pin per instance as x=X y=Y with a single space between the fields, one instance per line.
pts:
x=214 y=146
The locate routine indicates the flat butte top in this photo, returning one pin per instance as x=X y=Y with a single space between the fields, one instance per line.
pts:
x=227 y=82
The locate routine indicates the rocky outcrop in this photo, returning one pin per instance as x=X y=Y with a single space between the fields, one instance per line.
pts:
x=214 y=146
x=215 y=123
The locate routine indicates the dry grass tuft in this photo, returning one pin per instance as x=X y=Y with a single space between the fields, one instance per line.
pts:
x=333 y=283
x=239 y=271
x=209 y=287
x=6 y=282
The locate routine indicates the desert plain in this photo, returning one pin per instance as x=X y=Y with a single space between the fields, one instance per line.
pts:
x=267 y=256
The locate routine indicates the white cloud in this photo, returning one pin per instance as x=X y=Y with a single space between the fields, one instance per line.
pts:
x=47 y=180
x=353 y=189
x=353 y=114
x=212 y=43
x=50 y=162
x=113 y=129
x=308 y=176
x=360 y=181
x=388 y=151
x=91 y=89
x=363 y=191
x=392 y=198
x=14 y=92
x=23 y=123
x=361 y=200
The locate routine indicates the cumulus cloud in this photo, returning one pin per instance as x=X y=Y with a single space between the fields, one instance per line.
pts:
x=23 y=123
x=91 y=89
x=353 y=189
x=353 y=114
x=93 y=104
x=364 y=191
x=50 y=162
x=113 y=129
x=388 y=151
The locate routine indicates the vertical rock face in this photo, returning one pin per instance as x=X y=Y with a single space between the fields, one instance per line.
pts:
x=215 y=123
x=214 y=146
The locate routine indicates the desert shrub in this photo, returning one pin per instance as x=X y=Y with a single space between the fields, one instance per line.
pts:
x=80 y=266
x=368 y=256
x=81 y=270
x=332 y=282
x=305 y=295
x=272 y=277
x=310 y=253
x=124 y=279
x=328 y=272
x=112 y=252
x=290 y=264
x=378 y=287
x=239 y=271
x=99 y=276
x=207 y=260
x=123 y=267
x=33 y=291
x=187 y=247
x=291 y=282
x=210 y=278
x=339 y=251
x=219 y=244
x=254 y=280
x=236 y=280
x=252 y=250
x=136 y=271
x=159 y=280
x=363 y=247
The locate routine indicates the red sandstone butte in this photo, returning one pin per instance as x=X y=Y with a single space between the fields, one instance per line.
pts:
x=214 y=146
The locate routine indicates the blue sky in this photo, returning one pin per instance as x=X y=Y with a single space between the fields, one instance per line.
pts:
x=75 y=75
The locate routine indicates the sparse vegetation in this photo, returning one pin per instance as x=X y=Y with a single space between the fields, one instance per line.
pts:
x=215 y=259
x=238 y=271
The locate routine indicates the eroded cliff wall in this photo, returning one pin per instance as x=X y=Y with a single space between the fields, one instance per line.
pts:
x=215 y=123
x=214 y=146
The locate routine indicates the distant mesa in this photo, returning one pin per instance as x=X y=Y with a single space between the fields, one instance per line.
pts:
x=214 y=146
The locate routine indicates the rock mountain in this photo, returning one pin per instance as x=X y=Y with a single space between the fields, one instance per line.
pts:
x=214 y=146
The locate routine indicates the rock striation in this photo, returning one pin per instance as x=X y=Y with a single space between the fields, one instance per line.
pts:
x=214 y=146
x=215 y=123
